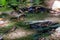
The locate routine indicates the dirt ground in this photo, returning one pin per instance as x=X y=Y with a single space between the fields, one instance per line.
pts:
x=18 y=33
x=54 y=19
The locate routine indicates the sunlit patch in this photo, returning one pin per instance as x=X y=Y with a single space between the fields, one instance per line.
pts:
x=56 y=8
x=56 y=34
x=3 y=22
x=56 y=5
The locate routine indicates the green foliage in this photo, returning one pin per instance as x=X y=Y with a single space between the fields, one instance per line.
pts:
x=4 y=15
x=3 y=2
x=39 y=2
x=36 y=16
x=22 y=24
x=5 y=29
x=29 y=37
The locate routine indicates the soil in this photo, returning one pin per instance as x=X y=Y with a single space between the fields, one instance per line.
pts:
x=18 y=33
x=54 y=19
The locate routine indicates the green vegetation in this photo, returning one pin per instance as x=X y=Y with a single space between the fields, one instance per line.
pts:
x=3 y=2
x=19 y=3
x=29 y=37
x=6 y=28
x=21 y=24
x=28 y=17
x=36 y=16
